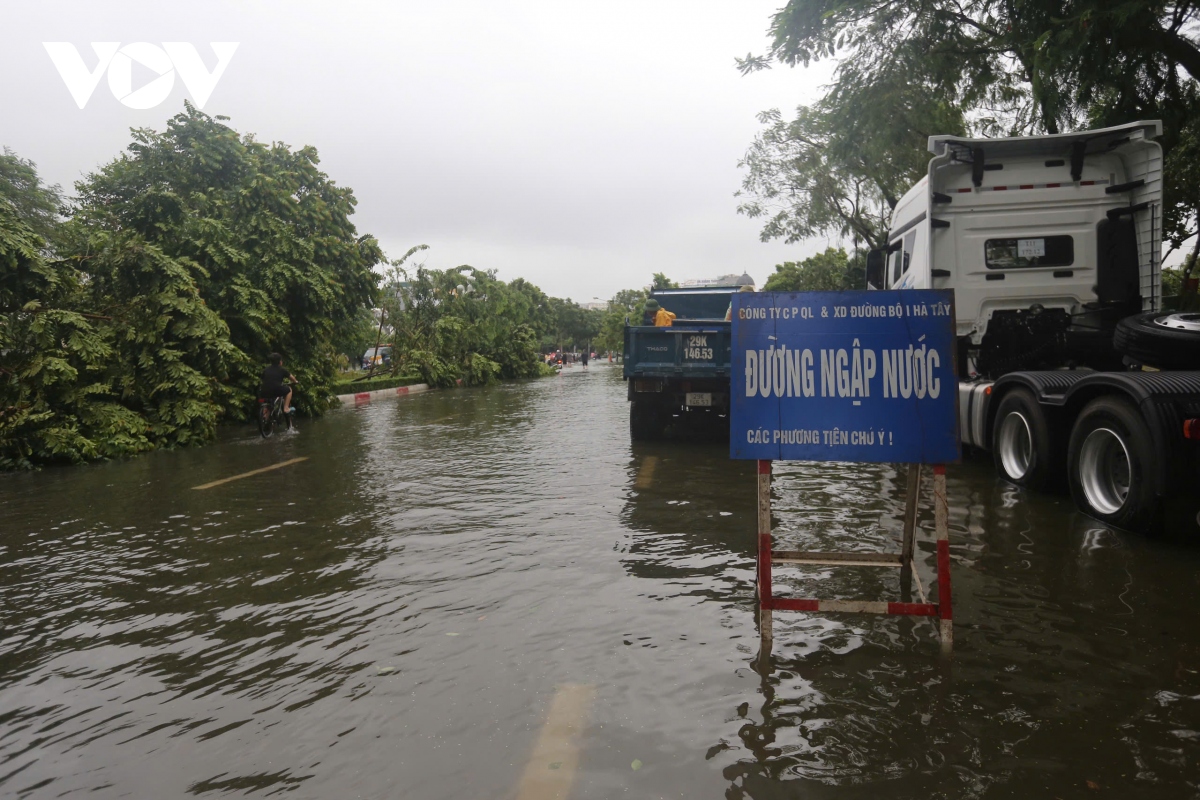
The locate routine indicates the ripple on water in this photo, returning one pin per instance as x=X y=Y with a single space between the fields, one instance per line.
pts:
x=399 y=609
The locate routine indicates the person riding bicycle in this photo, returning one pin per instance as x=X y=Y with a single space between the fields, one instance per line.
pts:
x=272 y=384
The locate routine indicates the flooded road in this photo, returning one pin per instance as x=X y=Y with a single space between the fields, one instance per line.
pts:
x=488 y=593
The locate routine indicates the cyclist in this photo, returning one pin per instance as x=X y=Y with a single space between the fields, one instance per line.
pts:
x=272 y=384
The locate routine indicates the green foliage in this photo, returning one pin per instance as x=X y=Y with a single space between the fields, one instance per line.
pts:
x=266 y=236
x=1178 y=284
x=661 y=281
x=145 y=317
x=170 y=352
x=463 y=324
x=829 y=271
x=37 y=206
x=574 y=325
x=479 y=370
x=1172 y=282
x=432 y=369
x=517 y=355
x=356 y=336
x=625 y=304
x=57 y=397
x=985 y=67
x=839 y=166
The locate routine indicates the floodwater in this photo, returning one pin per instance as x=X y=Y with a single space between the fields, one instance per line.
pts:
x=489 y=593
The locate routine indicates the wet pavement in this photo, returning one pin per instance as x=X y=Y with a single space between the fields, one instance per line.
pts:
x=490 y=593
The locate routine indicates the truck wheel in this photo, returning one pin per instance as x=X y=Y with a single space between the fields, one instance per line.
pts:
x=1023 y=448
x=1160 y=339
x=1109 y=464
x=646 y=420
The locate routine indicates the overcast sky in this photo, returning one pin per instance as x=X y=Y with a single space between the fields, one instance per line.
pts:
x=580 y=146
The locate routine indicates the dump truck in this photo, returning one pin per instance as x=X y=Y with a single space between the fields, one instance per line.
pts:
x=678 y=376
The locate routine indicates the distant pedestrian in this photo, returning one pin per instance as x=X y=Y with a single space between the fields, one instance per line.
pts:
x=585 y=359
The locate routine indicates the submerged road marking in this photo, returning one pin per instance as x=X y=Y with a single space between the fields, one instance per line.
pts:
x=551 y=769
x=287 y=463
x=646 y=474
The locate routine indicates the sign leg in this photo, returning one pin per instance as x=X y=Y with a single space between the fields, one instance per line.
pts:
x=940 y=515
x=765 y=618
x=910 y=524
x=766 y=638
x=910 y=511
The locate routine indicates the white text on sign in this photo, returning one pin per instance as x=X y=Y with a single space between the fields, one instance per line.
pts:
x=790 y=372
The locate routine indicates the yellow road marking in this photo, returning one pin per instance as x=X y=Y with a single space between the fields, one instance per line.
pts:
x=646 y=473
x=551 y=769
x=287 y=463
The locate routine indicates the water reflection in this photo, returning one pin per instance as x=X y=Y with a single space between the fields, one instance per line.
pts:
x=1048 y=644
x=393 y=616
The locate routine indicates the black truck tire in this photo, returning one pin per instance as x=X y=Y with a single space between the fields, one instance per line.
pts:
x=1024 y=449
x=1109 y=465
x=648 y=419
x=1163 y=339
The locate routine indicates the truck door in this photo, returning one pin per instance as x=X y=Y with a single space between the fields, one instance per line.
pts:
x=901 y=260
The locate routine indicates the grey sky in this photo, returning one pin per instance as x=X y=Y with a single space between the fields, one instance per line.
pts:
x=580 y=146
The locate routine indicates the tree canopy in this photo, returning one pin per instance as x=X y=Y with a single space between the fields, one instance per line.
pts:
x=830 y=271
x=140 y=314
x=263 y=234
x=462 y=323
x=625 y=304
x=981 y=67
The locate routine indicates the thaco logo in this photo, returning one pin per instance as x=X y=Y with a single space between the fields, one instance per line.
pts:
x=162 y=61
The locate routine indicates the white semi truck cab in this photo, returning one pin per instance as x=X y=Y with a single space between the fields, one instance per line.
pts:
x=1070 y=372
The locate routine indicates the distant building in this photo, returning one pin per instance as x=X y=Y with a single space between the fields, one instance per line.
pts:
x=732 y=279
x=594 y=306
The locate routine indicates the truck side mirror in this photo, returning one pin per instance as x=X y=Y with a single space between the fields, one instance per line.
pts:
x=875 y=266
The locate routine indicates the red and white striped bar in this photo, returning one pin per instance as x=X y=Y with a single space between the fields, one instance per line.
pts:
x=366 y=398
x=765 y=627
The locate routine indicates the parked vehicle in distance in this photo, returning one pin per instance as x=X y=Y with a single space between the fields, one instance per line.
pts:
x=377 y=356
x=678 y=376
x=1071 y=373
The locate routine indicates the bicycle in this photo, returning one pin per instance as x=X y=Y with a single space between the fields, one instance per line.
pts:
x=270 y=413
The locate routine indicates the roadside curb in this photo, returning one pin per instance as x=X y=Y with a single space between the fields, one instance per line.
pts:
x=366 y=398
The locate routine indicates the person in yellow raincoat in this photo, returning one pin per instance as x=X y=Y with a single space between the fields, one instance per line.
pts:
x=657 y=315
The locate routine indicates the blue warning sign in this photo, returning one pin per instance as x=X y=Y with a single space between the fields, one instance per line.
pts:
x=845 y=376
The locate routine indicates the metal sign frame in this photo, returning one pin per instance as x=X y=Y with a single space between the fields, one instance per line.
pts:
x=767 y=557
x=810 y=330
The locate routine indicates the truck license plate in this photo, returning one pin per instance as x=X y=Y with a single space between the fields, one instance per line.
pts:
x=698 y=399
